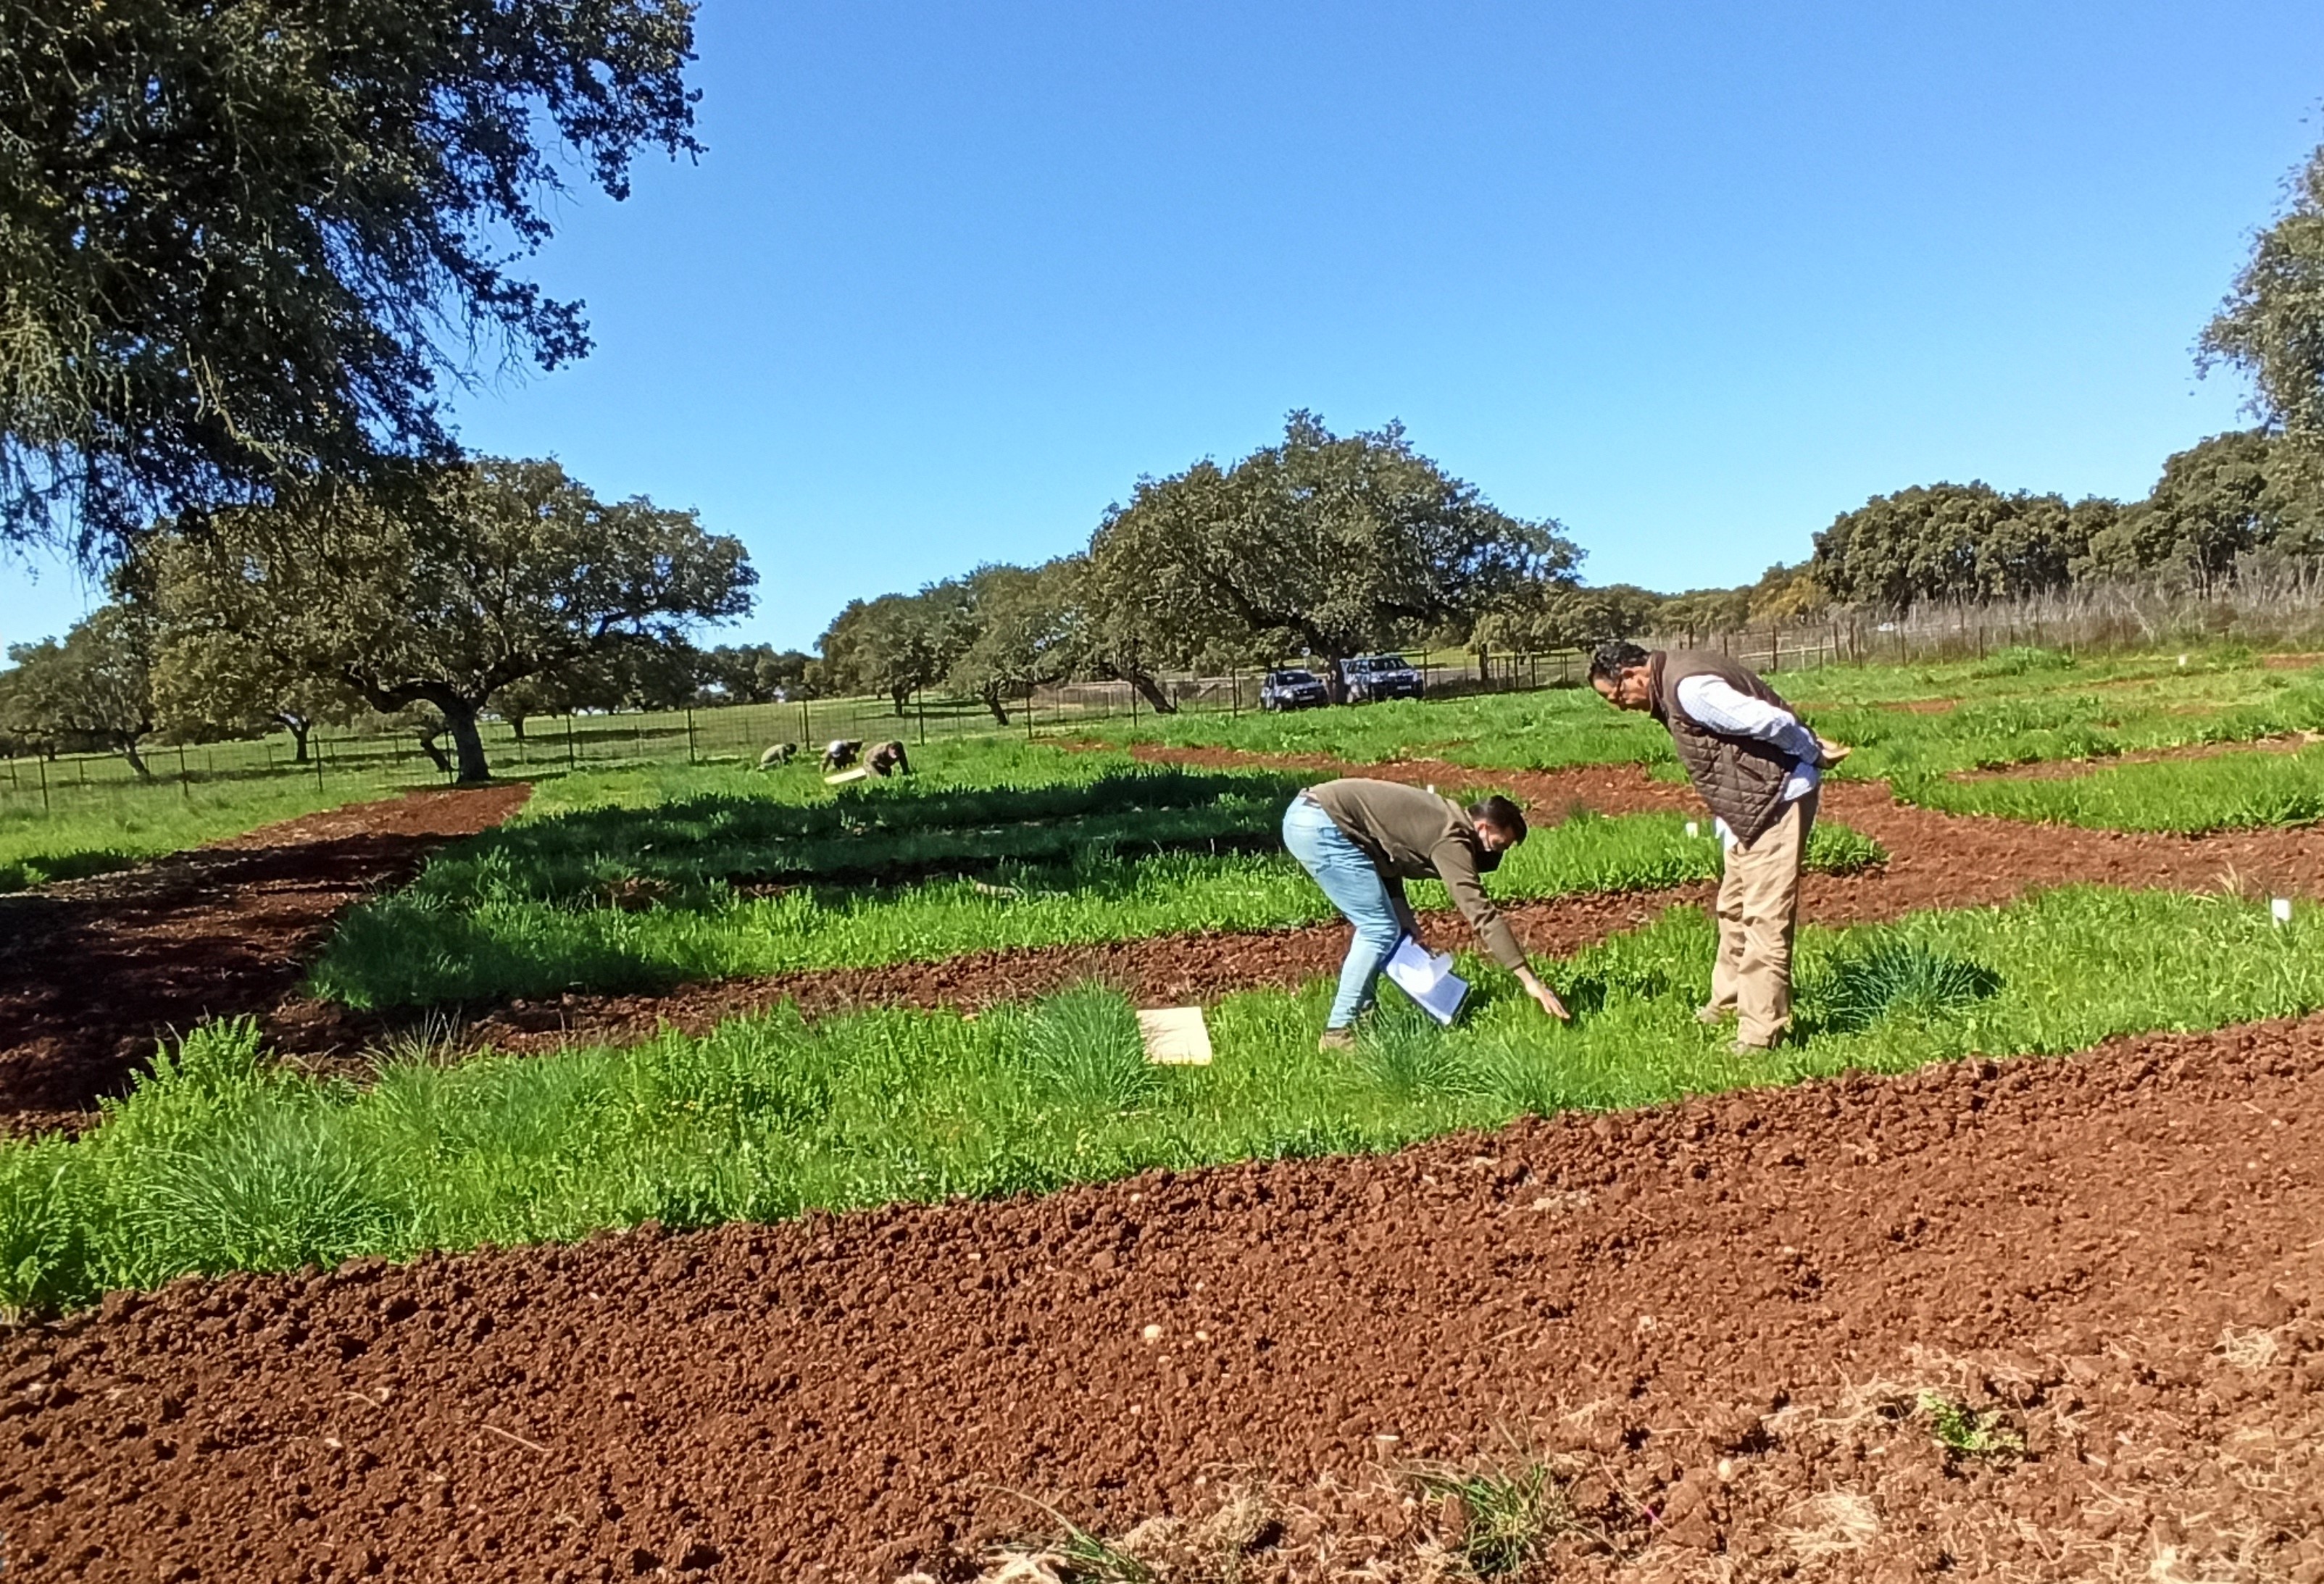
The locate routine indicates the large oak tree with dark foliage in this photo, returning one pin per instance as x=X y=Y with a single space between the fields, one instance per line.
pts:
x=448 y=586
x=246 y=242
x=1325 y=544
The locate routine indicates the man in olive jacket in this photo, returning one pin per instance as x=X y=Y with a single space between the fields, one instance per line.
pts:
x=1759 y=769
x=1363 y=839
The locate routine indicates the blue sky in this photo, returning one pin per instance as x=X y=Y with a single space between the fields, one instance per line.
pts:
x=1691 y=278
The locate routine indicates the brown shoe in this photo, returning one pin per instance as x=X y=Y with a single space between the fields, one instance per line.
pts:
x=1337 y=1039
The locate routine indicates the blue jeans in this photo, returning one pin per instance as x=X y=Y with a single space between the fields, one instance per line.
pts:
x=1356 y=890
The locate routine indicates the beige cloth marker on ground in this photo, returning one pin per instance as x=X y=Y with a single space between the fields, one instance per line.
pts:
x=1174 y=1037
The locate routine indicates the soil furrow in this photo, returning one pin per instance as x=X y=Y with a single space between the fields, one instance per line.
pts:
x=1717 y=1310
x=92 y=972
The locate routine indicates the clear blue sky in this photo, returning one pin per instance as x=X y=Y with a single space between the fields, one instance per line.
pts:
x=1691 y=279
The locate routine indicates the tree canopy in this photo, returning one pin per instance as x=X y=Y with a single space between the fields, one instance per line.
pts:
x=92 y=690
x=898 y=644
x=1023 y=622
x=1951 y=542
x=2272 y=324
x=1322 y=544
x=246 y=243
x=447 y=586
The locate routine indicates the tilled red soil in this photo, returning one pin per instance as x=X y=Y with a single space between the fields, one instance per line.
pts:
x=91 y=971
x=1936 y=860
x=1715 y=1315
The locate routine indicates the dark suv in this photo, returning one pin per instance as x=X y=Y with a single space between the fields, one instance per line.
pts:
x=1375 y=677
x=1292 y=689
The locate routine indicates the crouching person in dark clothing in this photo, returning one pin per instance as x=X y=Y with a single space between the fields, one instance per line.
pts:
x=887 y=760
x=1362 y=839
x=839 y=753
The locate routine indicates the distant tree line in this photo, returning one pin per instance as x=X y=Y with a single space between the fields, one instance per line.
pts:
x=1323 y=545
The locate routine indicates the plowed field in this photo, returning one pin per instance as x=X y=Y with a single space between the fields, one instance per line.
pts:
x=92 y=972
x=1717 y=1315
x=1730 y=1330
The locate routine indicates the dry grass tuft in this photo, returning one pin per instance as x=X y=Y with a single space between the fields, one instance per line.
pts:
x=1831 y=1524
x=2250 y=1350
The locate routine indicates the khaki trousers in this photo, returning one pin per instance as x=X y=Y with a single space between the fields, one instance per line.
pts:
x=1759 y=908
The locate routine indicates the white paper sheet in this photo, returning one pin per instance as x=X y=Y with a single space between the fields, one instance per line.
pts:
x=1174 y=1037
x=1428 y=979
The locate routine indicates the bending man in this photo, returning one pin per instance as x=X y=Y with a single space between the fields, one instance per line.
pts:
x=1759 y=769
x=1363 y=839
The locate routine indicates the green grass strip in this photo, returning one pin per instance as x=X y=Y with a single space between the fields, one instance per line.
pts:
x=218 y=1162
x=2018 y=707
x=486 y=936
x=99 y=830
x=2228 y=791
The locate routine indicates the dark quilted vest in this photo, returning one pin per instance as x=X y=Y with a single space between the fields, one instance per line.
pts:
x=1742 y=778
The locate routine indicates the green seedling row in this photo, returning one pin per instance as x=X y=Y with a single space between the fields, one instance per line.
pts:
x=220 y=1161
x=476 y=928
x=2235 y=790
x=2020 y=707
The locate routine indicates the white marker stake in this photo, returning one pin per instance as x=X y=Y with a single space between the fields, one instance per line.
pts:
x=1174 y=1037
x=1693 y=828
x=2280 y=909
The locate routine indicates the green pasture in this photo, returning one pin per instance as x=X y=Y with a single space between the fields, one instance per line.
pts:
x=2016 y=708
x=1912 y=724
x=116 y=827
x=645 y=879
x=2238 y=790
x=221 y=1161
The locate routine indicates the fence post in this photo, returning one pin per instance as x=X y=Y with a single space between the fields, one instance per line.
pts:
x=921 y=703
x=185 y=782
x=1774 y=649
x=43 y=763
x=318 y=764
x=689 y=735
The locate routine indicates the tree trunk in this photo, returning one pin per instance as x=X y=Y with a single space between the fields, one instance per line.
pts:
x=435 y=756
x=1151 y=691
x=468 y=742
x=902 y=695
x=298 y=729
x=129 y=753
x=515 y=724
x=991 y=696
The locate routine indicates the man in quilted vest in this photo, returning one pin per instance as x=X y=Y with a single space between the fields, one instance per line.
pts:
x=1759 y=769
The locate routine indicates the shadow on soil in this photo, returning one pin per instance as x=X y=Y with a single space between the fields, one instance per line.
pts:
x=89 y=977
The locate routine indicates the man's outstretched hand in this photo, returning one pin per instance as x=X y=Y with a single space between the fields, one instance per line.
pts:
x=1544 y=997
x=1832 y=752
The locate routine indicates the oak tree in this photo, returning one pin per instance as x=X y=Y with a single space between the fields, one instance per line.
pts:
x=447 y=584
x=246 y=243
